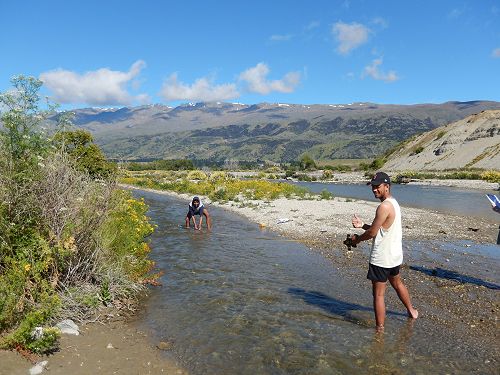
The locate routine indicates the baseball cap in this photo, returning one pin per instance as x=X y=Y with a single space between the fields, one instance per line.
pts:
x=380 y=178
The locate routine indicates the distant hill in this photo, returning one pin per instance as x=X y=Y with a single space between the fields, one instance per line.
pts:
x=277 y=132
x=473 y=142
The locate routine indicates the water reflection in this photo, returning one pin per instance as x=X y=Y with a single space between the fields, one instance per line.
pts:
x=383 y=351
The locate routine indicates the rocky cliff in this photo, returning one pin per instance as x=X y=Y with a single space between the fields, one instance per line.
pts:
x=473 y=142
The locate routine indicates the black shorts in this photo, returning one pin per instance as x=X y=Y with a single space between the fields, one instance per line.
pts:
x=376 y=273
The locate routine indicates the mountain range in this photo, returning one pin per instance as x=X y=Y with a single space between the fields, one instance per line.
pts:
x=265 y=131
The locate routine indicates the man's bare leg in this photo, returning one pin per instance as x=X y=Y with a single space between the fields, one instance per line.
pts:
x=209 y=219
x=403 y=295
x=378 y=290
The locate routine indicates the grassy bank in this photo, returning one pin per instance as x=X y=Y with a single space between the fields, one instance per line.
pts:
x=71 y=242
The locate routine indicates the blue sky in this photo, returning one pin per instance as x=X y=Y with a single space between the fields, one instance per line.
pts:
x=116 y=53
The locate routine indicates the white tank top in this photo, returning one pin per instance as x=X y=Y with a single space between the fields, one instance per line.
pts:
x=387 y=247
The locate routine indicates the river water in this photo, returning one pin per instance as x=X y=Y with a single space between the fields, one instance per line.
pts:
x=454 y=200
x=239 y=300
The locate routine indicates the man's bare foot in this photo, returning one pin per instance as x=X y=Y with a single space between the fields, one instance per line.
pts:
x=379 y=329
x=413 y=313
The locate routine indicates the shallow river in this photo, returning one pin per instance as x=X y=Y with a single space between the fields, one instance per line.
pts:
x=454 y=200
x=239 y=300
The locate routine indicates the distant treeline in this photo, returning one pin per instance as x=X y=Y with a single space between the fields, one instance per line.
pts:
x=187 y=164
x=304 y=163
x=166 y=165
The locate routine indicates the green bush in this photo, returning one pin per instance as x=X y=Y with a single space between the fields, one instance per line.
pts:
x=196 y=175
x=325 y=194
x=327 y=174
x=87 y=156
x=59 y=228
x=418 y=150
x=440 y=134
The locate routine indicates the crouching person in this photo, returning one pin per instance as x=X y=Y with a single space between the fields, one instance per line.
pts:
x=196 y=208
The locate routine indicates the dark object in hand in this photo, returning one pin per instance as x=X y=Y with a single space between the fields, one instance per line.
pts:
x=348 y=242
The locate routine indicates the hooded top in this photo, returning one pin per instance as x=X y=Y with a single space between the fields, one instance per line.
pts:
x=195 y=210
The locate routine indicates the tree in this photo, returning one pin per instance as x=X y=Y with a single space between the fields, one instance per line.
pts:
x=307 y=163
x=87 y=155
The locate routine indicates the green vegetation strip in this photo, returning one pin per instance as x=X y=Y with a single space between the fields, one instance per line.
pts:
x=219 y=187
x=490 y=176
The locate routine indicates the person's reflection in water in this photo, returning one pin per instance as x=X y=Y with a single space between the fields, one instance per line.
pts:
x=387 y=359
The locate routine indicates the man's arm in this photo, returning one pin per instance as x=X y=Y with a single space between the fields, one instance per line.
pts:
x=381 y=215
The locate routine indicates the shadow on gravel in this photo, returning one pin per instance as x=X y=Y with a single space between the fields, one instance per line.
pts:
x=452 y=275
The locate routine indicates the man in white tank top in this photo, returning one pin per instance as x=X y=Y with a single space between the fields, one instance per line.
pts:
x=386 y=254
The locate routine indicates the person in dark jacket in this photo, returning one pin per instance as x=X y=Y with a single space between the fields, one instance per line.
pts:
x=196 y=207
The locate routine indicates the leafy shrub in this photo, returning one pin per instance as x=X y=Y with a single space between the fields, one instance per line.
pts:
x=307 y=163
x=325 y=194
x=87 y=156
x=223 y=190
x=418 y=150
x=491 y=176
x=440 y=134
x=376 y=164
x=327 y=174
x=218 y=175
x=196 y=175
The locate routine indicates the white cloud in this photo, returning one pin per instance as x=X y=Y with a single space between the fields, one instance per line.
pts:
x=496 y=53
x=99 y=87
x=312 y=25
x=281 y=38
x=350 y=36
x=456 y=13
x=374 y=72
x=256 y=79
x=201 y=90
x=381 y=22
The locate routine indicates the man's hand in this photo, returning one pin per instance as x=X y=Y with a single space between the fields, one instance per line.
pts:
x=357 y=222
x=355 y=240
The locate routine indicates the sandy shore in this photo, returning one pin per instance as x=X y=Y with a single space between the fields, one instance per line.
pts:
x=114 y=347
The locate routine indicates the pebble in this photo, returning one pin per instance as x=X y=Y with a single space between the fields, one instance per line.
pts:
x=38 y=368
x=68 y=327
x=163 y=345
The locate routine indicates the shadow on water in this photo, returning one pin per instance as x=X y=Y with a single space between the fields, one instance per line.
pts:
x=453 y=275
x=333 y=305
